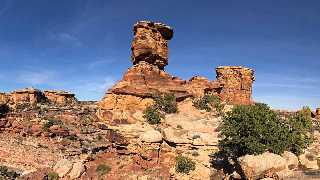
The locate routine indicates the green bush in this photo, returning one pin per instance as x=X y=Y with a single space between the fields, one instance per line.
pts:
x=207 y=102
x=184 y=164
x=52 y=176
x=103 y=169
x=255 y=129
x=166 y=103
x=152 y=115
x=50 y=123
x=5 y=173
x=300 y=126
x=163 y=104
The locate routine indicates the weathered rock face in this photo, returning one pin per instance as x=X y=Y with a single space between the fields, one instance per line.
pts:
x=60 y=97
x=26 y=96
x=198 y=86
x=237 y=84
x=4 y=98
x=150 y=43
x=318 y=113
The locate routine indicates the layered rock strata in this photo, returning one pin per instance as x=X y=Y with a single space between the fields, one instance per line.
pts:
x=60 y=97
x=32 y=96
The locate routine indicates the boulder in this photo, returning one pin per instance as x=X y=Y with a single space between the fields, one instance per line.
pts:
x=308 y=160
x=78 y=169
x=63 y=167
x=176 y=136
x=292 y=159
x=151 y=136
x=256 y=166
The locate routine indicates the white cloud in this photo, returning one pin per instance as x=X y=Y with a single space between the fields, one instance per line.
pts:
x=36 y=77
x=66 y=38
x=99 y=63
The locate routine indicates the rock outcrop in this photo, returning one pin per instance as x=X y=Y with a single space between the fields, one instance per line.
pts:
x=60 y=97
x=150 y=43
x=147 y=78
x=317 y=115
x=26 y=96
x=236 y=82
x=30 y=96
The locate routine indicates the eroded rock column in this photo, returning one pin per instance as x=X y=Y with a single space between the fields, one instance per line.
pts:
x=236 y=82
x=150 y=43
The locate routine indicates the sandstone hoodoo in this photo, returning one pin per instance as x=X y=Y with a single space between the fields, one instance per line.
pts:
x=150 y=43
x=147 y=77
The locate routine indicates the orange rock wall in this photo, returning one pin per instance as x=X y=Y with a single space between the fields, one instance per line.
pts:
x=60 y=98
x=236 y=84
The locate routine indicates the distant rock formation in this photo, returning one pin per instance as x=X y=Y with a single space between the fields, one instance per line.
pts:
x=60 y=97
x=26 y=96
x=236 y=82
x=32 y=96
x=147 y=77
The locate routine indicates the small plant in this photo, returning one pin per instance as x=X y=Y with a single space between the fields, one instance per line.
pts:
x=152 y=115
x=207 y=102
x=166 y=103
x=103 y=169
x=7 y=174
x=52 y=176
x=50 y=123
x=72 y=137
x=163 y=104
x=184 y=164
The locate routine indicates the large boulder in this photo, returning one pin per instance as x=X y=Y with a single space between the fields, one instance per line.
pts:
x=151 y=136
x=308 y=160
x=77 y=170
x=257 y=166
x=292 y=159
x=63 y=167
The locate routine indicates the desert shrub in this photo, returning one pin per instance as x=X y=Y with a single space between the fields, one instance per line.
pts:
x=52 y=176
x=184 y=164
x=50 y=123
x=103 y=169
x=152 y=115
x=306 y=111
x=72 y=137
x=300 y=126
x=7 y=174
x=166 y=103
x=207 y=102
x=255 y=129
x=163 y=104
x=4 y=109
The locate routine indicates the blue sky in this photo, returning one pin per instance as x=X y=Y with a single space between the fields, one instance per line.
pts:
x=84 y=45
